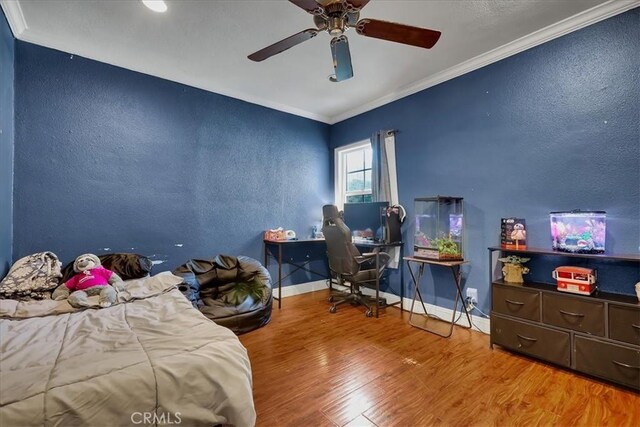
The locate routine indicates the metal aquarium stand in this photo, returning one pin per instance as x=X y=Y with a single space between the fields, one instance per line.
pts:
x=454 y=266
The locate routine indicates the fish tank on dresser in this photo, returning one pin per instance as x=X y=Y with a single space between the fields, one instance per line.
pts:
x=578 y=231
x=439 y=232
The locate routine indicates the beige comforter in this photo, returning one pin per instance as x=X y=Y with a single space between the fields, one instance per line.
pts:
x=151 y=359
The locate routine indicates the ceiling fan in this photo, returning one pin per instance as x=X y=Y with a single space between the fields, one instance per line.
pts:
x=336 y=17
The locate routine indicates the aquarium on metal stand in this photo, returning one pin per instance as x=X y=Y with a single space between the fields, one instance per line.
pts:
x=439 y=233
x=578 y=231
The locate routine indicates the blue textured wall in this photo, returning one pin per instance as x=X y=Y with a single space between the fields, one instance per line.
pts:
x=6 y=143
x=110 y=158
x=552 y=128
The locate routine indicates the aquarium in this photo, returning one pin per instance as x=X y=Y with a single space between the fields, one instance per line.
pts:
x=439 y=232
x=578 y=231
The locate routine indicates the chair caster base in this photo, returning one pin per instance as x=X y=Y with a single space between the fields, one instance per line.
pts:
x=330 y=299
x=332 y=309
x=369 y=313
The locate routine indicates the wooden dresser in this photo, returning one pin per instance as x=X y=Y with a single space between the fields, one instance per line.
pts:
x=597 y=335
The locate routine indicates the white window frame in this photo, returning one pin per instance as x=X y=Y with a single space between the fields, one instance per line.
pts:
x=340 y=170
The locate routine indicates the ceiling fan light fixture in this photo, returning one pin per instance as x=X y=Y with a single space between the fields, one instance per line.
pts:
x=158 y=6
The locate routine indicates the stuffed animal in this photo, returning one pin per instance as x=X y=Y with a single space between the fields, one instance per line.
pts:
x=92 y=279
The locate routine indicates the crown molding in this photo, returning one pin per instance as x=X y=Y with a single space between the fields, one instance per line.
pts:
x=583 y=19
x=270 y=104
x=15 y=17
x=18 y=25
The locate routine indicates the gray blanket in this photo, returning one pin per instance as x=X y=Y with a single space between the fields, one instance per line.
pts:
x=153 y=357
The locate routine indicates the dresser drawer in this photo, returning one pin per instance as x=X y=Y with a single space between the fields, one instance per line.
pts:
x=518 y=302
x=607 y=360
x=534 y=340
x=573 y=313
x=624 y=323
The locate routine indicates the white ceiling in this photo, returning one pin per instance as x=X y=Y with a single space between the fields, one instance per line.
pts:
x=205 y=44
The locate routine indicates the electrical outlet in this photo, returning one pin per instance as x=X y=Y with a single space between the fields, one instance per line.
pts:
x=473 y=294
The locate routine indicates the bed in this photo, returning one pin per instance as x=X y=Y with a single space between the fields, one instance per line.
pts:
x=150 y=359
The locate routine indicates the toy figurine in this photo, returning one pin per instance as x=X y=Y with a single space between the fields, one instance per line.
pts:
x=518 y=234
x=513 y=269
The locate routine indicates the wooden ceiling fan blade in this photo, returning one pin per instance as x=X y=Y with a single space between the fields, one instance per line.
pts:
x=354 y=5
x=341 y=59
x=283 y=45
x=311 y=6
x=399 y=33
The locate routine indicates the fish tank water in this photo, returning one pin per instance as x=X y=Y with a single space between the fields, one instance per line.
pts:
x=581 y=232
x=439 y=232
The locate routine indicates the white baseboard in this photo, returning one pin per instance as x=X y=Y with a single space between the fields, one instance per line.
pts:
x=480 y=323
x=302 y=288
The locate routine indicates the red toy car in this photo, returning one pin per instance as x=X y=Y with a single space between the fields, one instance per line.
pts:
x=577 y=280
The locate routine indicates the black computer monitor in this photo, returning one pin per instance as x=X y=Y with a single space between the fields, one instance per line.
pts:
x=365 y=220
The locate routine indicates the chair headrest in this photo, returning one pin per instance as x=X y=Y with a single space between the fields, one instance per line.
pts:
x=330 y=212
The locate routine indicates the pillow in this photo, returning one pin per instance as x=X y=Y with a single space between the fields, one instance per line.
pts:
x=127 y=266
x=32 y=277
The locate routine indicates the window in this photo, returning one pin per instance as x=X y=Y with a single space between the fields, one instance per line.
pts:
x=353 y=173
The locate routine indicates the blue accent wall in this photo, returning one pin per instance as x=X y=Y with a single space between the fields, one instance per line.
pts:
x=111 y=158
x=552 y=128
x=7 y=55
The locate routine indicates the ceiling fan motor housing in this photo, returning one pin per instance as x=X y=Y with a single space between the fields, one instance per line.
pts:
x=336 y=26
x=336 y=20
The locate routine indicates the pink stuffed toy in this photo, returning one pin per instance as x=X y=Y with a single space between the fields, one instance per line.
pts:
x=92 y=279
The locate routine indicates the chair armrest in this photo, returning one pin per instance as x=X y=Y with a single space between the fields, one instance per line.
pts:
x=365 y=257
x=383 y=258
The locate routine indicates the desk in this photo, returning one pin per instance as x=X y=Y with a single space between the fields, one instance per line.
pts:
x=305 y=265
x=454 y=266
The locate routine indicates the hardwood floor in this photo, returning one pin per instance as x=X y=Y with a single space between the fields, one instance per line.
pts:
x=313 y=368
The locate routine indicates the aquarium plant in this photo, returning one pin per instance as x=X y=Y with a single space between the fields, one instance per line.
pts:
x=447 y=248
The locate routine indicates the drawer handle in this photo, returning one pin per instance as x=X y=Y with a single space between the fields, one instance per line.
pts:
x=568 y=313
x=635 y=326
x=527 y=338
x=514 y=302
x=624 y=365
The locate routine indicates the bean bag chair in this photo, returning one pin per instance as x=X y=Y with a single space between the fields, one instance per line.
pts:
x=234 y=292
